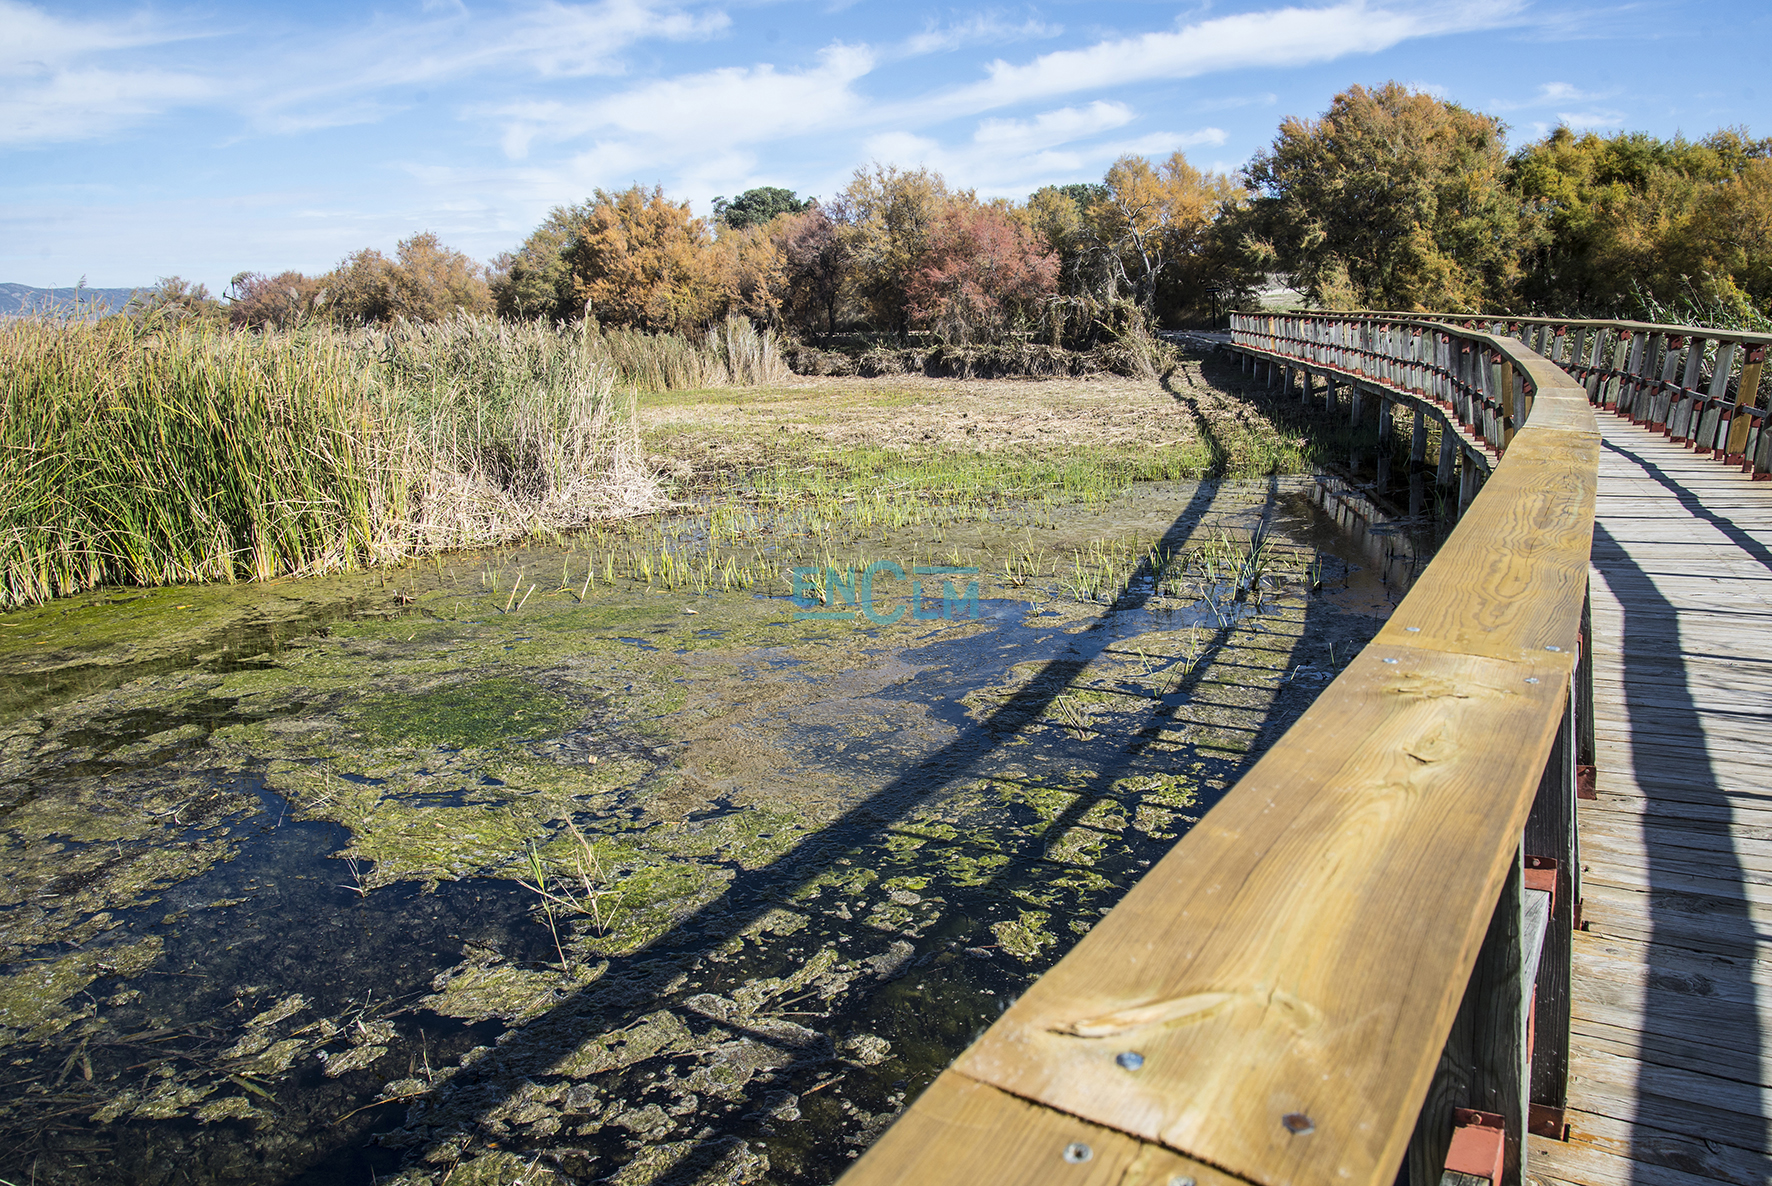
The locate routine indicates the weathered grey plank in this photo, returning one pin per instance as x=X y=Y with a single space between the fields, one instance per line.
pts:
x=1671 y=1030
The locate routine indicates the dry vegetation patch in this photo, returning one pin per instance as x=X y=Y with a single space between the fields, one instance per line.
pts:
x=1200 y=425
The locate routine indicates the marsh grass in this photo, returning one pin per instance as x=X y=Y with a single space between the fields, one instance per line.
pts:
x=148 y=455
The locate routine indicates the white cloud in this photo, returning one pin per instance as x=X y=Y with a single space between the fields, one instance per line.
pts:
x=50 y=90
x=1232 y=102
x=36 y=40
x=703 y=112
x=1550 y=94
x=58 y=81
x=986 y=27
x=1052 y=127
x=1283 y=37
x=1011 y=157
x=77 y=104
x=1601 y=118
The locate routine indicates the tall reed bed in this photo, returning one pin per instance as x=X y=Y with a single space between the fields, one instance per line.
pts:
x=188 y=453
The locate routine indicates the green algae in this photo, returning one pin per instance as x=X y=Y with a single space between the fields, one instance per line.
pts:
x=33 y=999
x=480 y=713
x=1025 y=936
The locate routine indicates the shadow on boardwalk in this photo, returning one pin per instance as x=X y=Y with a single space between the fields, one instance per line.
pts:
x=1699 y=1061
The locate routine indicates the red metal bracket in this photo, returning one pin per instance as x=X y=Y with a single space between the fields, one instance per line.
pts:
x=1584 y=783
x=1479 y=1144
x=1542 y=1120
x=1541 y=874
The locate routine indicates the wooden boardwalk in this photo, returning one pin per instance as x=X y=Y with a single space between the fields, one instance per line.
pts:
x=1671 y=1049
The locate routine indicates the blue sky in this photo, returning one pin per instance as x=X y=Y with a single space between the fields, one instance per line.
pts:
x=144 y=141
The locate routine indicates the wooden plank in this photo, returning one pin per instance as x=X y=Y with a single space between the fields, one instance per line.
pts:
x=1586 y=1165
x=964 y=1132
x=1625 y=842
x=1673 y=922
x=1678 y=1010
x=1670 y=1098
x=1623 y=839
x=1621 y=1036
x=1665 y=879
x=1713 y=1159
x=1620 y=793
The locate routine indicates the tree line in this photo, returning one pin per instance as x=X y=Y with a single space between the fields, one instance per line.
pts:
x=1390 y=199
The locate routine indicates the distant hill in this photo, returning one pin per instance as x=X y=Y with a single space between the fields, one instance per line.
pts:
x=22 y=298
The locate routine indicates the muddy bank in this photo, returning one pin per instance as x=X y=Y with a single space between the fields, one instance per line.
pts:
x=422 y=877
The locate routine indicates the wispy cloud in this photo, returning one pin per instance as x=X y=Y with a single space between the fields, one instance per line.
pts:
x=59 y=80
x=985 y=27
x=51 y=89
x=1010 y=157
x=737 y=104
x=1282 y=37
x=1549 y=94
x=1597 y=118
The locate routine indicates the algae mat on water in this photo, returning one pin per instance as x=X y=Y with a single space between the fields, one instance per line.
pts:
x=416 y=878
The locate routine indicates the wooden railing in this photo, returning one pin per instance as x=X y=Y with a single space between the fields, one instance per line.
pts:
x=1696 y=385
x=1341 y=955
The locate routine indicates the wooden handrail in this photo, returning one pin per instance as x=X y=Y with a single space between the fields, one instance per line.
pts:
x=1695 y=384
x=1269 y=1003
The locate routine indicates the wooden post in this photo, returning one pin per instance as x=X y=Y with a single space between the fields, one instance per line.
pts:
x=1483 y=1065
x=1706 y=436
x=1386 y=430
x=1418 y=442
x=1551 y=837
x=1304 y=386
x=1510 y=409
x=1467 y=481
x=1661 y=402
x=1354 y=408
x=1615 y=384
x=1448 y=470
x=1747 y=395
x=1680 y=421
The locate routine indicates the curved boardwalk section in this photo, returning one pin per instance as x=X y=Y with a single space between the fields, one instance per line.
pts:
x=1672 y=1000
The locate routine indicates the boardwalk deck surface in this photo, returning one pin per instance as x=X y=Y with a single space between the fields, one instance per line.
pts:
x=1672 y=1030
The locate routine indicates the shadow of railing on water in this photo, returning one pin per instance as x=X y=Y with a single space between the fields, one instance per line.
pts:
x=641 y=979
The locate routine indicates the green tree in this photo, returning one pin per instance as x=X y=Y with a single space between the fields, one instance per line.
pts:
x=1393 y=199
x=535 y=281
x=755 y=207
x=1628 y=216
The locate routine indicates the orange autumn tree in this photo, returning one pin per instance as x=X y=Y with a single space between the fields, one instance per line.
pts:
x=639 y=259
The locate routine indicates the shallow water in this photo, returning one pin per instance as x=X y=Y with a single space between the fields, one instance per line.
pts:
x=273 y=913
